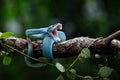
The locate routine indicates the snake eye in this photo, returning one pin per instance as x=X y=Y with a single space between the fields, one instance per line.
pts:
x=54 y=25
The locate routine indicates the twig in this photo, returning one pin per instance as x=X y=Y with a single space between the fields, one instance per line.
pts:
x=111 y=37
x=26 y=55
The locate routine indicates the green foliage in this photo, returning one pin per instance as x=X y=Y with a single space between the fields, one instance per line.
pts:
x=118 y=56
x=0 y=33
x=71 y=74
x=6 y=35
x=60 y=67
x=43 y=60
x=60 y=77
x=73 y=71
x=84 y=54
x=106 y=79
x=97 y=56
x=7 y=60
x=105 y=71
x=3 y=53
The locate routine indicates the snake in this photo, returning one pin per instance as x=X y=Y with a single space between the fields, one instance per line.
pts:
x=50 y=35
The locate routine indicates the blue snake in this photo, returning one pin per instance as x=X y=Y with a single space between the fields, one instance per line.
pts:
x=50 y=36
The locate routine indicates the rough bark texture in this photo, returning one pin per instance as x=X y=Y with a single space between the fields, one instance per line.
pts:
x=70 y=47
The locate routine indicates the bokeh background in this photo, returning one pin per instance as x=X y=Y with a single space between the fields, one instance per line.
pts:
x=92 y=18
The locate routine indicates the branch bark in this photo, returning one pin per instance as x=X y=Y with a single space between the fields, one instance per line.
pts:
x=71 y=47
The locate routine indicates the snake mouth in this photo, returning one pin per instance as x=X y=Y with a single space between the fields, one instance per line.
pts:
x=54 y=34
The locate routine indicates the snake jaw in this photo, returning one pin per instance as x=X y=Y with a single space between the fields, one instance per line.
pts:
x=53 y=32
x=59 y=26
x=55 y=36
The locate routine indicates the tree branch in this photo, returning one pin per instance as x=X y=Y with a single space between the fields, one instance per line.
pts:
x=70 y=47
x=111 y=37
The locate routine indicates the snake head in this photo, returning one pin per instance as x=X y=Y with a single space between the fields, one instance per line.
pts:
x=52 y=31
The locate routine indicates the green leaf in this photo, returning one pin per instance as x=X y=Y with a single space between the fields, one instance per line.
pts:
x=82 y=59
x=106 y=79
x=71 y=74
x=3 y=53
x=85 y=53
x=87 y=78
x=6 y=35
x=60 y=77
x=1 y=34
x=105 y=71
x=7 y=60
x=72 y=71
x=97 y=56
x=118 y=56
x=60 y=67
x=43 y=59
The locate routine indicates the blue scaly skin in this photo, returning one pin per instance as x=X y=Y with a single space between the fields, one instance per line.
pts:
x=50 y=35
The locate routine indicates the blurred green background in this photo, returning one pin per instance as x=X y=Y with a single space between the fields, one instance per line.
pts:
x=93 y=18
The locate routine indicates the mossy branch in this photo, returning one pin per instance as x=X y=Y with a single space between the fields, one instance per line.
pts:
x=69 y=48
